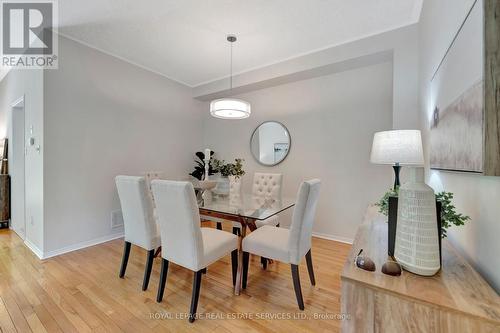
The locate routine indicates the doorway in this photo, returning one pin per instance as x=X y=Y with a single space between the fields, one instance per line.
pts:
x=16 y=160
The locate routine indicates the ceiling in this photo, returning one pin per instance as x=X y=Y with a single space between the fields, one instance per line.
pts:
x=185 y=40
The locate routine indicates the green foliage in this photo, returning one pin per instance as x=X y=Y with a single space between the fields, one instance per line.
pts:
x=199 y=169
x=449 y=215
x=383 y=203
x=230 y=169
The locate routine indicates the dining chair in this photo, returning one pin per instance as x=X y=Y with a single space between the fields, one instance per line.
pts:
x=149 y=176
x=288 y=245
x=139 y=222
x=183 y=240
x=218 y=221
x=265 y=187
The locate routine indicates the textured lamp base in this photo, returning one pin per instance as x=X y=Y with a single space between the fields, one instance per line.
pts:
x=417 y=238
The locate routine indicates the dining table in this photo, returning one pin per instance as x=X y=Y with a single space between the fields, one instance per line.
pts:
x=245 y=209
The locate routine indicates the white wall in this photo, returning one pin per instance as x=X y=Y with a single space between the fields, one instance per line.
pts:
x=401 y=43
x=331 y=120
x=475 y=195
x=105 y=117
x=30 y=84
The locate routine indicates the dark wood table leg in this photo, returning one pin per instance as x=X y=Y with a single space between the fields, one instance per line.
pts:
x=158 y=252
x=239 y=275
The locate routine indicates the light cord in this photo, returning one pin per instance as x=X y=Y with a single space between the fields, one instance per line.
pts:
x=231 y=71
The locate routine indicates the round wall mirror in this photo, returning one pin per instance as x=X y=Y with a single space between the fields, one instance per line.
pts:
x=270 y=143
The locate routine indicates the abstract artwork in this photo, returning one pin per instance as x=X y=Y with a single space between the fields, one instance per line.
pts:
x=457 y=125
x=457 y=133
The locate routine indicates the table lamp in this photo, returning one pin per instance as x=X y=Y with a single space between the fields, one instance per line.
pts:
x=397 y=148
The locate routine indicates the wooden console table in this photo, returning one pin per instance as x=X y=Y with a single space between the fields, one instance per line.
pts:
x=456 y=299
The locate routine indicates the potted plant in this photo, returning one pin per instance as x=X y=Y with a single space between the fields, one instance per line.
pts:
x=227 y=170
x=449 y=215
x=199 y=169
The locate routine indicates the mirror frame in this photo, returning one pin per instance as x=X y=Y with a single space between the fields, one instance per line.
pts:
x=289 y=144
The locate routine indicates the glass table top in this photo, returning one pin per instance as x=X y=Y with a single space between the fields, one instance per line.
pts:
x=246 y=205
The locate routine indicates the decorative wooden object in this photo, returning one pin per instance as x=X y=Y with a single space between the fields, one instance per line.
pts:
x=4 y=201
x=4 y=188
x=4 y=170
x=492 y=88
x=456 y=299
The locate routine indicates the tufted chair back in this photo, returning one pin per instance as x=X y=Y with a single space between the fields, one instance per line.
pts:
x=150 y=176
x=304 y=211
x=179 y=219
x=137 y=210
x=266 y=186
x=235 y=191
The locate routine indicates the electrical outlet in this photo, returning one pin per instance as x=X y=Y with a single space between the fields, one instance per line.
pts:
x=116 y=219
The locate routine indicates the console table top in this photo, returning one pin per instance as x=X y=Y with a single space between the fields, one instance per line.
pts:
x=457 y=286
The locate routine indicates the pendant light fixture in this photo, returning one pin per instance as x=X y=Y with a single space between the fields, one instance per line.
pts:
x=230 y=108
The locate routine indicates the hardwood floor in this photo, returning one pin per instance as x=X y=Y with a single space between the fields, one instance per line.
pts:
x=81 y=292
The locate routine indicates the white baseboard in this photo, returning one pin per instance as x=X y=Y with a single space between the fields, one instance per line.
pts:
x=82 y=245
x=44 y=255
x=333 y=237
x=33 y=248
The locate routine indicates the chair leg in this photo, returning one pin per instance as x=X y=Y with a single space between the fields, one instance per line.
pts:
x=234 y=264
x=236 y=231
x=196 y=295
x=263 y=262
x=163 y=279
x=126 y=253
x=296 y=286
x=219 y=226
x=204 y=270
x=246 y=257
x=147 y=269
x=310 y=268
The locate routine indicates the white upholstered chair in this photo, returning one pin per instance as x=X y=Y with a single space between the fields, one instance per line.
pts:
x=267 y=186
x=149 y=176
x=183 y=241
x=217 y=220
x=139 y=222
x=288 y=246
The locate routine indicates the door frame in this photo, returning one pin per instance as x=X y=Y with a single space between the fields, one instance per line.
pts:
x=18 y=106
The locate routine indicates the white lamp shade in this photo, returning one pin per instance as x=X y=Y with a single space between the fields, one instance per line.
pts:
x=398 y=146
x=230 y=108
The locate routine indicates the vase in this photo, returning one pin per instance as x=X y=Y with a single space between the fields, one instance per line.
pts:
x=235 y=192
x=417 y=237
x=222 y=187
x=207 y=197
x=392 y=219
x=392 y=223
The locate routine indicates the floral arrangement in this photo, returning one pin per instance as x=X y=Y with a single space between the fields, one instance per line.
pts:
x=229 y=169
